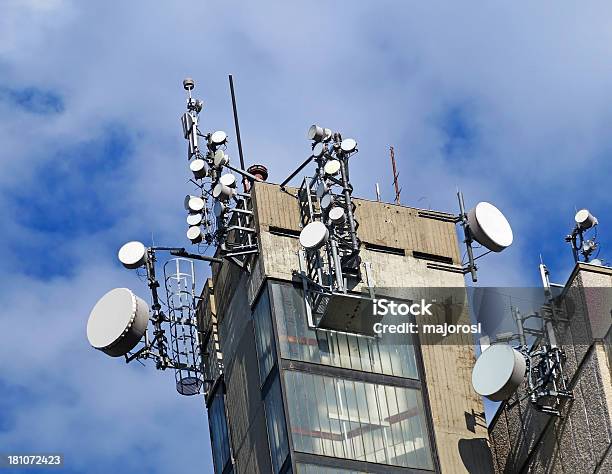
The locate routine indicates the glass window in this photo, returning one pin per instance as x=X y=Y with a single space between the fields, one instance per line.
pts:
x=264 y=339
x=275 y=421
x=219 y=438
x=357 y=420
x=299 y=342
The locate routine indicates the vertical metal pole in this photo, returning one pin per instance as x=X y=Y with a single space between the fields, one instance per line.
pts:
x=237 y=126
x=468 y=236
x=377 y=192
x=395 y=176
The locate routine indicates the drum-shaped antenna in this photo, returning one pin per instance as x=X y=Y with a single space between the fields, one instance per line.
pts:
x=337 y=215
x=585 y=219
x=489 y=227
x=498 y=372
x=348 y=145
x=194 y=219
x=220 y=158
x=316 y=133
x=194 y=233
x=332 y=167
x=117 y=322
x=222 y=192
x=228 y=180
x=133 y=255
x=194 y=204
x=198 y=168
x=314 y=235
x=218 y=138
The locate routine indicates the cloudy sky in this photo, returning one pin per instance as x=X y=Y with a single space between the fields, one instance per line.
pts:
x=511 y=102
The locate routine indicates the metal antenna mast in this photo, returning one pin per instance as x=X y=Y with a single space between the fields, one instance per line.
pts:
x=395 y=176
x=237 y=126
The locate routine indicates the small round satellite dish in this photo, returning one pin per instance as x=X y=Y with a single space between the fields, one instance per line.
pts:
x=188 y=83
x=489 y=227
x=219 y=208
x=585 y=219
x=331 y=167
x=498 y=372
x=222 y=192
x=337 y=215
x=316 y=133
x=117 y=322
x=195 y=204
x=194 y=233
x=133 y=255
x=218 y=138
x=314 y=235
x=194 y=219
x=318 y=150
x=348 y=145
x=327 y=201
x=228 y=180
x=188 y=386
x=198 y=168
x=220 y=158
x=327 y=134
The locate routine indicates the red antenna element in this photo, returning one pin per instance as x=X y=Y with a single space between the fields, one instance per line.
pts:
x=395 y=176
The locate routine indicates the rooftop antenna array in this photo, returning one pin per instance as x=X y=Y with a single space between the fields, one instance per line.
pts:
x=483 y=224
x=395 y=176
x=218 y=213
x=502 y=368
x=584 y=247
x=123 y=324
x=330 y=246
x=118 y=325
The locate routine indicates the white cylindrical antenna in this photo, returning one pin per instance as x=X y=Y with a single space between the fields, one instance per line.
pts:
x=198 y=168
x=228 y=180
x=132 y=255
x=194 y=219
x=194 y=204
x=331 y=167
x=117 y=322
x=318 y=150
x=218 y=138
x=337 y=215
x=220 y=158
x=490 y=227
x=348 y=145
x=222 y=192
x=194 y=233
x=314 y=235
x=377 y=192
x=585 y=220
x=498 y=372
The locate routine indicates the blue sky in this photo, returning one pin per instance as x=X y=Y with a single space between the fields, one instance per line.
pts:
x=510 y=102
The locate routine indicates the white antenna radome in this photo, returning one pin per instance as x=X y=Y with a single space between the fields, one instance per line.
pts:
x=585 y=219
x=331 y=167
x=132 y=255
x=498 y=372
x=490 y=227
x=117 y=322
x=314 y=235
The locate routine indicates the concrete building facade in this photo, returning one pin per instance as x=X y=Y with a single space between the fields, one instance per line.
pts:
x=284 y=397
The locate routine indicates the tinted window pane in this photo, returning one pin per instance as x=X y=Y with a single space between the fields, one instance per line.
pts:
x=275 y=421
x=357 y=420
x=299 y=342
x=264 y=335
x=218 y=433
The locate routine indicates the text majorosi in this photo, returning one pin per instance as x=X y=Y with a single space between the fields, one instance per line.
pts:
x=384 y=307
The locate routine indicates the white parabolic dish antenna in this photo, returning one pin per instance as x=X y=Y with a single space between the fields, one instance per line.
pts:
x=117 y=322
x=331 y=167
x=490 y=227
x=314 y=235
x=498 y=372
x=133 y=255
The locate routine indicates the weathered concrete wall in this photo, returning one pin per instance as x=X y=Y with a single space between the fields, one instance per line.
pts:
x=524 y=440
